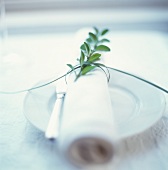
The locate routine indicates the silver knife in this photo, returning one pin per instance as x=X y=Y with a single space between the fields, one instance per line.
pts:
x=52 y=130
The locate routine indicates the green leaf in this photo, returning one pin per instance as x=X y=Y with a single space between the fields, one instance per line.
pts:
x=87 y=69
x=104 y=31
x=94 y=57
x=82 y=58
x=104 y=40
x=87 y=47
x=89 y=40
x=82 y=47
x=102 y=48
x=96 y=30
x=93 y=36
x=69 y=65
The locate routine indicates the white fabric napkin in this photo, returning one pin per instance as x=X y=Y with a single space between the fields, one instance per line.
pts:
x=87 y=132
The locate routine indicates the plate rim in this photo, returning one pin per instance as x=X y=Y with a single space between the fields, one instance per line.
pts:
x=160 y=114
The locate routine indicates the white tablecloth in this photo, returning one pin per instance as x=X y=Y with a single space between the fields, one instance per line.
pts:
x=23 y=147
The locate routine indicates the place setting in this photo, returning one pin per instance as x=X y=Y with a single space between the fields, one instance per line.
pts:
x=87 y=110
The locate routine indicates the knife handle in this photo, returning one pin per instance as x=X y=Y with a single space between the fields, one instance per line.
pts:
x=52 y=130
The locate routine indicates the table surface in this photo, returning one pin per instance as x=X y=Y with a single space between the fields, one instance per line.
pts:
x=23 y=147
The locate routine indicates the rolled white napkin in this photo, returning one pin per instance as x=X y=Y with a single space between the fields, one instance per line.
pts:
x=87 y=131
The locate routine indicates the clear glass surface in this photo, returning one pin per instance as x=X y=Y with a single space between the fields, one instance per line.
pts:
x=12 y=64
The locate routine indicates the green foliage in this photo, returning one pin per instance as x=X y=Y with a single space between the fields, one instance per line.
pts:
x=102 y=48
x=93 y=37
x=90 y=53
x=82 y=58
x=104 y=31
x=71 y=67
x=94 y=57
x=87 y=69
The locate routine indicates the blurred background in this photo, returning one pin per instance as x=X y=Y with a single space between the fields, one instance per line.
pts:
x=38 y=37
x=69 y=15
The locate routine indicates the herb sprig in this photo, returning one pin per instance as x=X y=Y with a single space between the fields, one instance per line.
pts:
x=90 y=53
x=89 y=57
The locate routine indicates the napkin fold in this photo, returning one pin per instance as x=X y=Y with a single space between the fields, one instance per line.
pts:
x=87 y=131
